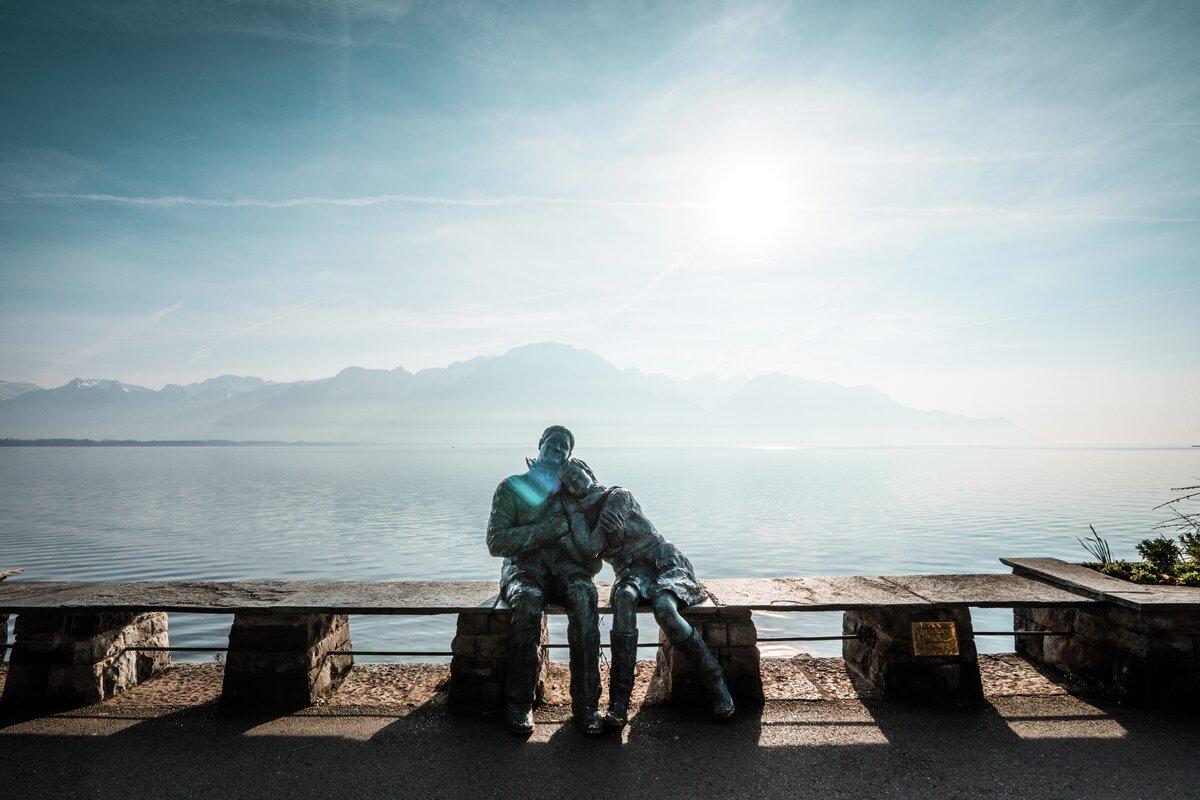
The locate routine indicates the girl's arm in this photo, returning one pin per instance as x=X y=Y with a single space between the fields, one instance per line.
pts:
x=589 y=541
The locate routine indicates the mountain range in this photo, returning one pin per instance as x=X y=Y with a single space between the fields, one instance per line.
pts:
x=504 y=399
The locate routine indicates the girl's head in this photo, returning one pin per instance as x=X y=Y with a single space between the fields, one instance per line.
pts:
x=577 y=478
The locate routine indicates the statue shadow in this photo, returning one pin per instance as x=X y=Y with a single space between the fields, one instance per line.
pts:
x=1028 y=747
x=798 y=749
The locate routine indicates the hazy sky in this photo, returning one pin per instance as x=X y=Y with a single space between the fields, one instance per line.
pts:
x=988 y=208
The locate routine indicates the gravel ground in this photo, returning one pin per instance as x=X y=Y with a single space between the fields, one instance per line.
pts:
x=386 y=733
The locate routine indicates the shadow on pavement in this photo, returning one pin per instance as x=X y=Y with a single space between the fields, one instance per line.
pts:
x=1020 y=747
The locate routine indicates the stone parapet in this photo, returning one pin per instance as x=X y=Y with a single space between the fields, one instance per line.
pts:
x=285 y=659
x=1150 y=656
x=883 y=659
x=733 y=640
x=479 y=666
x=77 y=659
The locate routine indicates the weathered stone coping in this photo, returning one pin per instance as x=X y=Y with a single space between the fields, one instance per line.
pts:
x=853 y=592
x=1088 y=582
x=4 y=573
x=839 y=593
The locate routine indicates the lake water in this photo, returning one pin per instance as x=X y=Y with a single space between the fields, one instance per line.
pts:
x=392 y=513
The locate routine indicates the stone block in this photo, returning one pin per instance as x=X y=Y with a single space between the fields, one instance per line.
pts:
x=467 y=667
x=742 y=634
x=472 y=624
x=716 y=634
x=1148 y=656
x=62 y=659
x=480 y=646
x=480 y=664
x=285 y=659
x=732 y=639
x=491 y=646
x=883 y=661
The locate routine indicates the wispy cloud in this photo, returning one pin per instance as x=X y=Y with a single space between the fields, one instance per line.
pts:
x=169 y=201
x=1067 y=310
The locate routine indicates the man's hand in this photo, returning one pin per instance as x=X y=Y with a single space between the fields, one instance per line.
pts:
x=610 y=520
x=561 y=525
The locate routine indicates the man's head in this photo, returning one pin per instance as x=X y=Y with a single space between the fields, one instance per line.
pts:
x=577 y=478
x=556 y=445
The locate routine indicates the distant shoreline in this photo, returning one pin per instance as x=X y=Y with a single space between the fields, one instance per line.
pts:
x=69 y=442
x=161 y=443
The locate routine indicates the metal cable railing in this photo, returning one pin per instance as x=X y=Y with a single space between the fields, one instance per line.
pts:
x=553 y=645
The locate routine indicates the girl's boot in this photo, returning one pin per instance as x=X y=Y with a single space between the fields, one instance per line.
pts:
x=620 y=678
x=696 y=651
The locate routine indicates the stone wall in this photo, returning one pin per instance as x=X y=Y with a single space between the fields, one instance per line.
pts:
x=284 y=659
x=480 y=663
x=732 y=638
x=3 y=626
x=81 y=658
x=883 y=661
x=1147 y=656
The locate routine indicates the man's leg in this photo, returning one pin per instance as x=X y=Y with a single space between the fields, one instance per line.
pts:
x=527 y=601
x=583 y=635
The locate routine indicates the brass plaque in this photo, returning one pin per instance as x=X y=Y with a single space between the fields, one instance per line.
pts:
x=934 y=639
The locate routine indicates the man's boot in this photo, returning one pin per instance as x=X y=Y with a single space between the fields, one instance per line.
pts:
x=518 y=720
x=620 y=677
x=524 y=662
x=696 y=651
x=584 y=638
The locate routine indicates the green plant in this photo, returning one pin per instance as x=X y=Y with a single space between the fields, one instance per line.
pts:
x=1186 y=519
x=1097 y=547
x=1188 y=577
x=1160 y=553
x=1165 y=561
x=1117 y=569
x=1191 y=545
x=1144 y=573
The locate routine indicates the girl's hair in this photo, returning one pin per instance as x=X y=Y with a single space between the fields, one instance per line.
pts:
x=579 y=462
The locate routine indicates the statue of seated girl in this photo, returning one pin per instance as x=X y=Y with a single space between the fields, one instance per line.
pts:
x=649 y=569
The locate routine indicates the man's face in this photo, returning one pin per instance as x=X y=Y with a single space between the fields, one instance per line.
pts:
x=555 y=449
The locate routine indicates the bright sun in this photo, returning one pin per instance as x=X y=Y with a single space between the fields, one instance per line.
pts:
x=749 y=204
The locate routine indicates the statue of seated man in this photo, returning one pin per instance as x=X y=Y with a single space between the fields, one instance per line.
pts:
x=648 y=568
x=529 y=528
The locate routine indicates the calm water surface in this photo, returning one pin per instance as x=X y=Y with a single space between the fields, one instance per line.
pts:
x=391 y=513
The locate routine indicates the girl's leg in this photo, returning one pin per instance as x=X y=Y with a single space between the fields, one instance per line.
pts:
x=687 y=641
x=625 y=604
x=624 y=654
x=666 y=613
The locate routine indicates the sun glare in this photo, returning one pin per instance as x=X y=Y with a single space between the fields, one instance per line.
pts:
x=749 y=204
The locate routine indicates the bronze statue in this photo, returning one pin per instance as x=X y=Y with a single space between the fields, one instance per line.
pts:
x=528 y=527
x=610 y=523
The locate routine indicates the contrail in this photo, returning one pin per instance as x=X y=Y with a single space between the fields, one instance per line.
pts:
x=202 y=349
x=649 y=286
x=119 y=336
